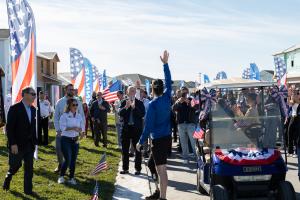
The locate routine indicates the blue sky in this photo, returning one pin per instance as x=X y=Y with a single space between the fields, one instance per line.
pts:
x=201 y=36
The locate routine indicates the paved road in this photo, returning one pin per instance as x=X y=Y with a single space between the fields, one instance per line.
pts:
x=182 y=181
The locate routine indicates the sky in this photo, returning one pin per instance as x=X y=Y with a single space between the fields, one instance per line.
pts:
x=202 y=36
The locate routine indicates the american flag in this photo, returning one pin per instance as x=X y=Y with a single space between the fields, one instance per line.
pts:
x=23 y=46
x=246 y=73
x=95 y=192
x=96 y=79
x=110 y=93
x=77 y=71
x=280 y=69
x=100 y=166
x=198 y=133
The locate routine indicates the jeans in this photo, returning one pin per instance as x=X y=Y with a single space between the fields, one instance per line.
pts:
x=119 y=132
x=70 y=151
x=186 y=131
x=60 y=157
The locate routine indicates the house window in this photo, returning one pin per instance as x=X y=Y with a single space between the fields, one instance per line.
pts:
x=53 y=65
x=292 y=63
x=42 y=66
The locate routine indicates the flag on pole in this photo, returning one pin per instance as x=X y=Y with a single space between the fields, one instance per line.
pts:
x=23 y=47
x=88 y=70
x=96 y=77
x=77 y=71
x=102 y=165
x=206 y=78
x=246 y=73
x=198 y=133
x=110 y=93
x=254 y=72
x=104 y=80
x=95 y=192
x=280 y=69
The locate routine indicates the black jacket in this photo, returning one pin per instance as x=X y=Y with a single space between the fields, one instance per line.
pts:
x=100 y=114
x=19 y=130
x=185 y=113
x=138 y=113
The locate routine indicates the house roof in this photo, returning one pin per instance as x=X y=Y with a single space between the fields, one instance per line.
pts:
x=4 y=33
x=48 y=55
x=292 y=48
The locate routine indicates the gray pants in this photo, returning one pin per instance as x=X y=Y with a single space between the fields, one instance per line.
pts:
x=119 y=132
x=59 y=154
x=185 y=134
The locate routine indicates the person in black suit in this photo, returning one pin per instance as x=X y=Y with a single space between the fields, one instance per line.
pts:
x=21 y=135
x=99 y=111
x=132 y=111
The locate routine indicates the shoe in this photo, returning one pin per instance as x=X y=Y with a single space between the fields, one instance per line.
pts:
x=72 y=181
x=294 y=156
x=154 y=196
x=29 y=193
x=57 y=169
x=131 y=154
x=96 y=144
x=124 y=172
x=6 y=183
x=137 y=173
x=61 y=180
x=105 y=145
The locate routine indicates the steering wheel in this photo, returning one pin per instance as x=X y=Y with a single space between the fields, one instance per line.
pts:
x=253 y=132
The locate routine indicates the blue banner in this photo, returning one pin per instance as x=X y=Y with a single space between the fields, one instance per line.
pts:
x=147 y=84
x=206 y=79
x=254 y=72
x=104 y=80
x=88 y=69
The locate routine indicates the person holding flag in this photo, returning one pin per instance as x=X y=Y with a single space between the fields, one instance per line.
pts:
x=158 y=126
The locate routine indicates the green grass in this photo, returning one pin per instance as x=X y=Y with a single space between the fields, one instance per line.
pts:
x=45 y=180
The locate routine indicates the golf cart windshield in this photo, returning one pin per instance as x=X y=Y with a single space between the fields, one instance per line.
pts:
x=245 y=118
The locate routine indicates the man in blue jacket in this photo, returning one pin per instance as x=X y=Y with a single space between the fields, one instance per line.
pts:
x=158 y=126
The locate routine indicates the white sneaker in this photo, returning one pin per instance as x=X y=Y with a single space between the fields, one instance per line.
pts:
x=61 y=180
x=72 y=181
x=294 y=156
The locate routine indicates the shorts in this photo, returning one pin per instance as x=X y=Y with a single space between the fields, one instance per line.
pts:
x=160 y=149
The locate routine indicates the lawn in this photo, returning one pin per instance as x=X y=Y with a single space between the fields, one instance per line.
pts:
x=45 y=180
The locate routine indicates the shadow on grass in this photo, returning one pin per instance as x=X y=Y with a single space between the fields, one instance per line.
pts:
x=86 y=187
x=96 y=151
x=3 y=151
x=22 y=196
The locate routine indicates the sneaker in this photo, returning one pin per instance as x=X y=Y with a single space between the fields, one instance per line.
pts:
x=72 y=181
x=154 y=196
x=61 y=180
x=294 y=156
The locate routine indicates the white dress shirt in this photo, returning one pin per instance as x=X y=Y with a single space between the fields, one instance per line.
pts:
x=45 y=108
x=68 y=120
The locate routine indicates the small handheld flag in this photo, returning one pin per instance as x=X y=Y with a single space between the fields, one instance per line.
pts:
x=95 y=193
x=199 y=133
x=102 y=165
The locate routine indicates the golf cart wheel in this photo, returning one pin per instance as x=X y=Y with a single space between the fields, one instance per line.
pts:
x=219 y=193
x=199 y=186
x=285 y=191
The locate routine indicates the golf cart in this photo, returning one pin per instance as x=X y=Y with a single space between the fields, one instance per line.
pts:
x=241 y=152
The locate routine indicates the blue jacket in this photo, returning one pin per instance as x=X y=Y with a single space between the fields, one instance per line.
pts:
x=158 y=115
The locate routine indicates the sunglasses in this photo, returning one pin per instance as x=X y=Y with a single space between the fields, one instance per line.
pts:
x=75 y=104
x=32 y=94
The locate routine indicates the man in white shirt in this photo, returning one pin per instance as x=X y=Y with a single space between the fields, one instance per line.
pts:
x=59 y=110
x=44 y=115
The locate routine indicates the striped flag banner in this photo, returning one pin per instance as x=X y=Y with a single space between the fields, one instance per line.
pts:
x=95 y=192
x=102 y=165
x=23 y=47
x=77 y=71
x=96 y=77
x=110 y=93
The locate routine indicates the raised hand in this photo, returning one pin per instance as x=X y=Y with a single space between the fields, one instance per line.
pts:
x=165 y=57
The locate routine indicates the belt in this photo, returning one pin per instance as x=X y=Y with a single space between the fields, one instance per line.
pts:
x=71 y=138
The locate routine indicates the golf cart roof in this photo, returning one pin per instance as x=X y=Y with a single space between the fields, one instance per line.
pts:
x=236 y=83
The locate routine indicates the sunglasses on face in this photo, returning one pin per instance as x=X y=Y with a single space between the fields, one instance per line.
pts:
x=74 y=104
x=32 y=94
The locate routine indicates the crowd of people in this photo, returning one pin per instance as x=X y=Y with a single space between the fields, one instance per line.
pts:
x=144 y=125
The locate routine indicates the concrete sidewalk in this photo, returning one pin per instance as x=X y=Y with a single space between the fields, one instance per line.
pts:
x=182 y=181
